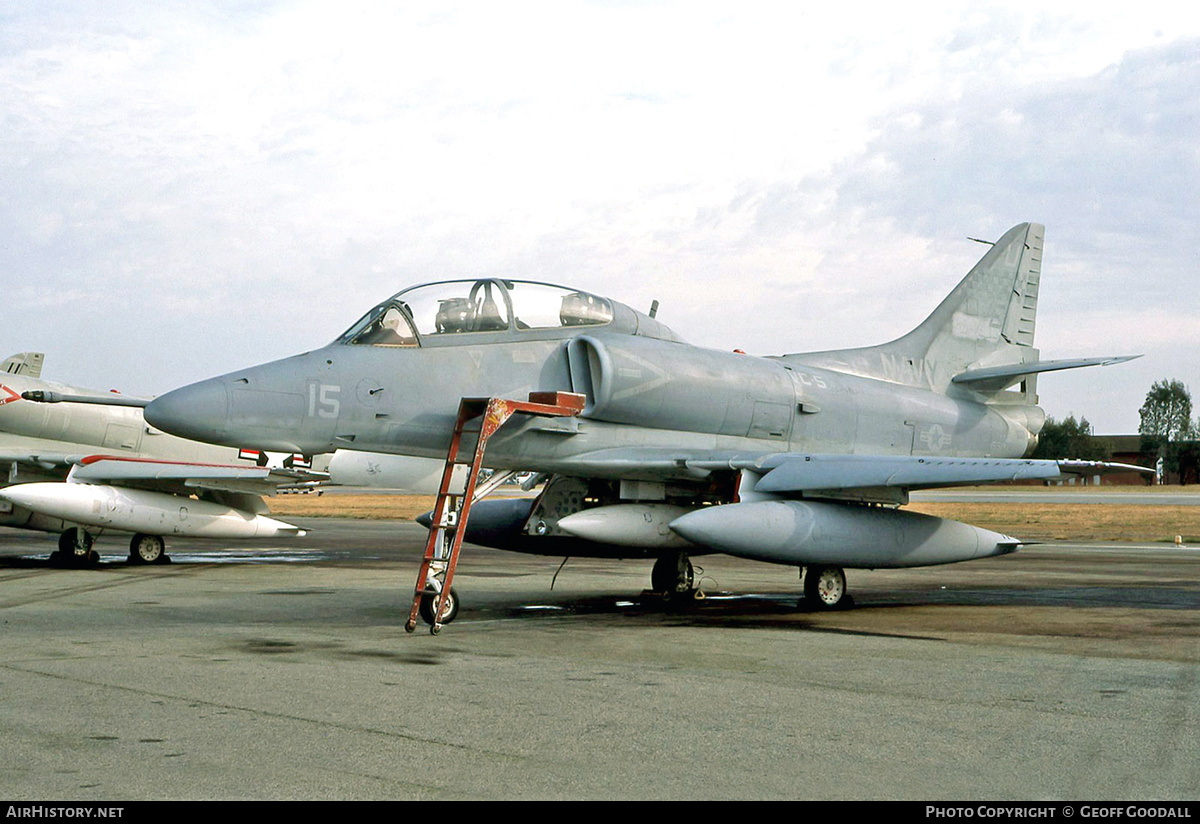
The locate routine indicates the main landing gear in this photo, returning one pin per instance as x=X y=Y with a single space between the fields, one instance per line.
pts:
x=825 y=588
x=673 y=575
x=148 y=549
x=75 y=549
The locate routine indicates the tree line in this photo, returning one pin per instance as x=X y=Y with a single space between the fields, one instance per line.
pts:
x=1167 y=431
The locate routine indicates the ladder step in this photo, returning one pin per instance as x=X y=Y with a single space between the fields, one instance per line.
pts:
x=564 y=400
x=453 y=506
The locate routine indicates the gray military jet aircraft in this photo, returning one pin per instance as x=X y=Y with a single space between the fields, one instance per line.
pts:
x=802 y=459
x=81 y=470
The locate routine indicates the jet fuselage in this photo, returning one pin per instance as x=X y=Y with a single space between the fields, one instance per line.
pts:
x=645 y=393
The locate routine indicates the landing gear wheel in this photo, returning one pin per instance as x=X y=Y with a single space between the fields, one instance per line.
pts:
x=449 y=609
x=75 y=548
x=147 y=549
x=673 y=574
x=825 y=587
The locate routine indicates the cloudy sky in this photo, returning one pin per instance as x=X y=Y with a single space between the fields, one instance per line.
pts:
x=187 y=188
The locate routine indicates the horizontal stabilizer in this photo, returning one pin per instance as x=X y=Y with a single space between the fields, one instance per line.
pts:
x=995 y=378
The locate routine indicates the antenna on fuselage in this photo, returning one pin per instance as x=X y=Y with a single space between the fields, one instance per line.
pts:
x=653 y=308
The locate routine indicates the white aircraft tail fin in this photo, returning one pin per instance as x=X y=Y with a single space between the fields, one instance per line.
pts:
x=28 y=364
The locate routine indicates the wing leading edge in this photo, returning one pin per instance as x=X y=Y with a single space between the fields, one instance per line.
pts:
x=792 y=473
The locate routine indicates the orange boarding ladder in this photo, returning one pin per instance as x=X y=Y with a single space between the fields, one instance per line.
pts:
x=456 y=495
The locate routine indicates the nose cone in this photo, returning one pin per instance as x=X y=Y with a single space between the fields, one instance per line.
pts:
x=199 y=411
x=291 y=405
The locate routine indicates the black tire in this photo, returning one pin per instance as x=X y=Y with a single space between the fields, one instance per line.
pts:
x=825 y=587
x=75 y=548
x=673 y=574
x=146 y=549
x=449 y=609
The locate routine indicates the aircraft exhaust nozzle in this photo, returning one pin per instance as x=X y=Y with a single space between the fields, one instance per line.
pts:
x=845 y=535
x=139 y=510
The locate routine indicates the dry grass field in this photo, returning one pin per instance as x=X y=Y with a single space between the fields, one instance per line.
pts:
x=380 y=507
x=1031 y=521
x=1075 y=522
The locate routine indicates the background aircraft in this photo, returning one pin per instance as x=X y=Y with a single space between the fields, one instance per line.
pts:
x=802 y=459
x=82 y=469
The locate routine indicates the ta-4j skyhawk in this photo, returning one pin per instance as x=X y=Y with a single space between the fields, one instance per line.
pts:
x=803 y=459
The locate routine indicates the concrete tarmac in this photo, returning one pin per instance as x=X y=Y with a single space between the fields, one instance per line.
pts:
x=281 y=670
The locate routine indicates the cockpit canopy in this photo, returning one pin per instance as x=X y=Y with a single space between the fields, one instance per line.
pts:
x=467 y=306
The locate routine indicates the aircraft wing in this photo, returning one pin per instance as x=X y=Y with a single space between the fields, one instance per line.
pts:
x=795 y=473
x=46 y=461
x=182 y=477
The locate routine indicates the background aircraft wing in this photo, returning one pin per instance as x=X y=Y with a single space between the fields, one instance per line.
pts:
x=46 y=461
x=183 y=478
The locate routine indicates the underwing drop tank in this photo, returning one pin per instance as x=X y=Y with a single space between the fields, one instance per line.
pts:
x=142 y=511
x=637 y=525
x=821 y=533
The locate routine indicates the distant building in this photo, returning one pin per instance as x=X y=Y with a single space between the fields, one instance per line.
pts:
x=1127 y=449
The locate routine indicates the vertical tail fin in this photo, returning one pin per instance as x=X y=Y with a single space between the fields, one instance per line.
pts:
x=28 y=364
x=993 y=309
x=987 y=320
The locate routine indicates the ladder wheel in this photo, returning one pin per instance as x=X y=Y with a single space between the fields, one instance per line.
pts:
x=449 y=609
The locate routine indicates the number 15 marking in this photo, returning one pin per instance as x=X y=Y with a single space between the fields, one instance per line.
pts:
x=323 y=401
